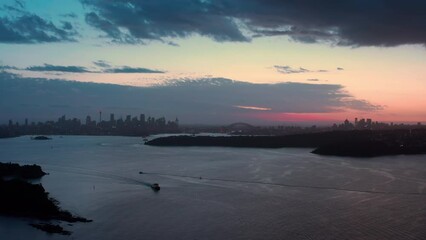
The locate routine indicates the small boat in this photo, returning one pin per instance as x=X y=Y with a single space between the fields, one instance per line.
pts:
x=155 y=187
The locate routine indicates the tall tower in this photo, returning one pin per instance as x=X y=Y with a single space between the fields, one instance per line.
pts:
x=100 y=116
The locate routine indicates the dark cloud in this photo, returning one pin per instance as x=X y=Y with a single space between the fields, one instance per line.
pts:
x=298 y=34
x=155 y=20
x=173 y=44
x=291 y=70
x=67 y=25
x=313 y=80
x=7 y=67
x=340 y=69
x=56 y=68
x=127 y=69
x=30 y=28
x=214 y=100
x=69 y=15
x=19 y=3
x=113 y=31
x=350 y=22
x=15 y=7
x=102 y=64
x=106 y=68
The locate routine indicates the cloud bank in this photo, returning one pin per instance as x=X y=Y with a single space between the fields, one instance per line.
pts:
x=56 y=68
x=209 y=101
x=350 y=22
x=105 y=68
x=336 y=22
x=127 y=69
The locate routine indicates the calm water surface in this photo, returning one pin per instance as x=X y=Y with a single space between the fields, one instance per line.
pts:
x=221 y=193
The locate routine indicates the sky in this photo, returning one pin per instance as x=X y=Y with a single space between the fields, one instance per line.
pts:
x=224 y=61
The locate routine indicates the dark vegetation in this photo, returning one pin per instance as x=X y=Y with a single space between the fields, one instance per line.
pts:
x=20 y=198
x=355 y=143
x=302 y=140
x=6 y=133
x=23 y=199
x=17 y=171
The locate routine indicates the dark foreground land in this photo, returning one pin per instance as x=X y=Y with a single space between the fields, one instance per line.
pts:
x=20 y=198
x=338 y=143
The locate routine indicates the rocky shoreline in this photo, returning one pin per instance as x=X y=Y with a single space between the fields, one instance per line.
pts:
x=20 y=198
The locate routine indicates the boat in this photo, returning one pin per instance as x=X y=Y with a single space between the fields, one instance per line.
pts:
x=155 y=187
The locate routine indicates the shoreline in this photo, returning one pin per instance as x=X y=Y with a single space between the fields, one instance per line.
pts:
x=344 y=143
x=22 y=199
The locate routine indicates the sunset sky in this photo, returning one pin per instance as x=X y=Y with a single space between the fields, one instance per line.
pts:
x=280 y=55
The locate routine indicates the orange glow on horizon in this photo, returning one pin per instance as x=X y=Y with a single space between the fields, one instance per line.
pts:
x=331 y=117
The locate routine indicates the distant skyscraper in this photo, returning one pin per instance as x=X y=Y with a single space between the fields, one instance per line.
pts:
x=26 y=121
x=346 y=122
x=142 y=118
x=111 y=118
x=369 y=121
x=88 y=120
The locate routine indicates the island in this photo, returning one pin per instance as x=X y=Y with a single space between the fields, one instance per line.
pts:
x=356 y=143
x=300 y=140
x=41 y=138
x=20 y=198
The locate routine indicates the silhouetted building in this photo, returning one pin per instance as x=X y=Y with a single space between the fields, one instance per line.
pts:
x=369 y=121
x=130 y=127
x=88 y=120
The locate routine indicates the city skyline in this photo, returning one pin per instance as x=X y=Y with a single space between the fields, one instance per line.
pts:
x=352 y=68
x=111 y=119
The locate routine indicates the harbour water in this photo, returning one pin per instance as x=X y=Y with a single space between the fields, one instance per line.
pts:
x=220 y=193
